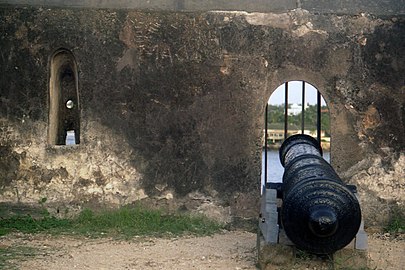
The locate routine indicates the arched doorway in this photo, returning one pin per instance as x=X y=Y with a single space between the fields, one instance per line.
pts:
x=294 y=107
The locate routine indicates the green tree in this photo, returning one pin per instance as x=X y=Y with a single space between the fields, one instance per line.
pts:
x=275 y=118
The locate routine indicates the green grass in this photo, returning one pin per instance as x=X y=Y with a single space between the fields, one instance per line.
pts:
x=28 y=224
x=396 y=223
x=9 y=255
x=126 y=221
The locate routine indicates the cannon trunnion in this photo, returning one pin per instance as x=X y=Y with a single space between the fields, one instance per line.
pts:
x=319 y=213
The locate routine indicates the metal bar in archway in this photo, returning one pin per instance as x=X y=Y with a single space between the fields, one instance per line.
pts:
x=303 y=108
x=265 y=143
x=286 y=111
x=318 y=117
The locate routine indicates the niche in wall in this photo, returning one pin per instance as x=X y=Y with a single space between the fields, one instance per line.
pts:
x=64 y=110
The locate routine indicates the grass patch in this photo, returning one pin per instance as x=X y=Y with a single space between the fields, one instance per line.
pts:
x=12 y=254
x=126 y=221
x=28 y=224
x=397 y=220
x=137 y=221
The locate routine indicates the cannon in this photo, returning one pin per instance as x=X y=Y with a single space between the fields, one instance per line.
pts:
x=319 y=213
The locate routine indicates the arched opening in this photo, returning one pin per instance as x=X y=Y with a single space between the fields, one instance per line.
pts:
x=64 y=113
x=295 y=107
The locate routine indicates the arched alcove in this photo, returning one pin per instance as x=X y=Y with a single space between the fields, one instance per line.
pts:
x=294 y=107
x=64 y=113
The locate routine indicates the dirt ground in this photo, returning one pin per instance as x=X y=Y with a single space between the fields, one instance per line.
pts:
x=226 y=250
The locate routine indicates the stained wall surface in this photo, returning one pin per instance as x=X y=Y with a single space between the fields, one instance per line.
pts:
x=376 y=7
x=172 y=104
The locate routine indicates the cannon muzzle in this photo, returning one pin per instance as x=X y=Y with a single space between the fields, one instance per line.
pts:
x=319 y=214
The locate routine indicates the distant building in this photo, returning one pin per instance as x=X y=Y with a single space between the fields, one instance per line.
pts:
x=277 y=135
x=295 y=109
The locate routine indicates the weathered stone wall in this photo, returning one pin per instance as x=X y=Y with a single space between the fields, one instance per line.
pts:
x=172 y=104
x=376 y=7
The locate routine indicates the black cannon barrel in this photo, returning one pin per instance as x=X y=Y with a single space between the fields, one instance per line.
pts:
x=319 y=213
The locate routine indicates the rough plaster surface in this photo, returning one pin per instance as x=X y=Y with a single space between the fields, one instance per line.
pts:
x=173 y=103
x=377 y=7
x=381 y=185
x=71 y=177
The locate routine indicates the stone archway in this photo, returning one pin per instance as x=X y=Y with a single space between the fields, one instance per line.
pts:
x=294 y=107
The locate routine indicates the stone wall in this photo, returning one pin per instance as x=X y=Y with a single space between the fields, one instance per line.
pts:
x=172 y=104
x=375 y=7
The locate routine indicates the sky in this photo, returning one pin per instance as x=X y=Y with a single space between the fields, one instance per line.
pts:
x=294 y=94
